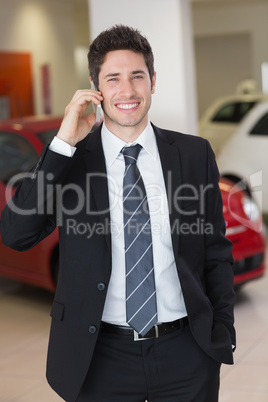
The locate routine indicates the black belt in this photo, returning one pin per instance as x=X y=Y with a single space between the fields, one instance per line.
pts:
x=155 y=332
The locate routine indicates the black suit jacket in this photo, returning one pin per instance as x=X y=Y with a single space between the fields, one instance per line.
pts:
x=203 y=256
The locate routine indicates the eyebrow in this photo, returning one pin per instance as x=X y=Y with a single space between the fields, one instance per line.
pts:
x=117 y=74
x=138 y=72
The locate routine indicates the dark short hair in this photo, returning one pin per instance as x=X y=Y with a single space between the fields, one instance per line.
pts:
x=119 y=37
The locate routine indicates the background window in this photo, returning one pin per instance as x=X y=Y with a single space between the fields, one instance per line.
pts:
x=47 y=136
x=233 y=112
x=16 y=155
x=261 y=128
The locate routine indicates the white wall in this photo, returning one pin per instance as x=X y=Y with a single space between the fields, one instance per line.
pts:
x=221 y=18
x=45 y=29
x=222 y=61
x=168 y=27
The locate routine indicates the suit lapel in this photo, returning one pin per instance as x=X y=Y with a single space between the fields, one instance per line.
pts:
x=95 y=165
x=171 y=165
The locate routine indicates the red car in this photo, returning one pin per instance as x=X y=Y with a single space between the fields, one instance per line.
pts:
x=245 y=228
x=21 y=142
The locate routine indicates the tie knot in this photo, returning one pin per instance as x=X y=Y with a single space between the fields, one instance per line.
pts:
x=131 y=154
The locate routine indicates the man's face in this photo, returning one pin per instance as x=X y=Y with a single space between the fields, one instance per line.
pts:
x=127 y=90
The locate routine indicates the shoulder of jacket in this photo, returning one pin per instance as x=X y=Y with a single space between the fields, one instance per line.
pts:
x=180 y=138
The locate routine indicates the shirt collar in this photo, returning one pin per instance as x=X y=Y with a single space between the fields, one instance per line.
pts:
x=112 y=145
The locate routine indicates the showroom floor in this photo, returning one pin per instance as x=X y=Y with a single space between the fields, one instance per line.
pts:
x=24 y=330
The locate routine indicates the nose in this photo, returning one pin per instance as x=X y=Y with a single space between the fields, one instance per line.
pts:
x=126 y=89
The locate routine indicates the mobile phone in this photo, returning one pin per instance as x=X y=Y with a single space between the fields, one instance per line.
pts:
x=96 y=108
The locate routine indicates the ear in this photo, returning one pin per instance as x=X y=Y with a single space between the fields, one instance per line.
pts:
x=93 y=86
x=153 y=83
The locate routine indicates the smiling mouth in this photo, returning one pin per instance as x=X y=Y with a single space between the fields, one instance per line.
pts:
x=127 y=106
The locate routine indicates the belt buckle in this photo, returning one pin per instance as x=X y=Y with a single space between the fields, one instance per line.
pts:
x=138 y=337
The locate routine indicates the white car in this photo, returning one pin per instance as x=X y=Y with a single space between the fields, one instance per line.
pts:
x=237 y=129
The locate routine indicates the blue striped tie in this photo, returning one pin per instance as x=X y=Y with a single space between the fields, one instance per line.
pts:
x=140 y=284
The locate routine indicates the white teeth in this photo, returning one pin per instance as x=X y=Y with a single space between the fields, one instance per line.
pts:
x=127 y=105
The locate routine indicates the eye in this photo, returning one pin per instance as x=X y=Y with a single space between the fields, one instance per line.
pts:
x=136 y=77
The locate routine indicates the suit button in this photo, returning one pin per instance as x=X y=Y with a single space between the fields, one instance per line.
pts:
x=101 y=286
x=92 y=329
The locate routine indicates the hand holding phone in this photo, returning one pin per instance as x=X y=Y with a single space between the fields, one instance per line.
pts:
x=96 y=108
x=76 y=125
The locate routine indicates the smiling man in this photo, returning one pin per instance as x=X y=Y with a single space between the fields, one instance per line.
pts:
x=144 y=305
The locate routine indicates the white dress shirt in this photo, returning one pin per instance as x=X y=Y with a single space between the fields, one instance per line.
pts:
x=170 y=302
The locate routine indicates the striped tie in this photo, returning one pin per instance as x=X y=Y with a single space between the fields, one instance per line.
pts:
x=140 y=284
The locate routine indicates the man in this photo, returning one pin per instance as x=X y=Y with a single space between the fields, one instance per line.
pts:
x=139 y=212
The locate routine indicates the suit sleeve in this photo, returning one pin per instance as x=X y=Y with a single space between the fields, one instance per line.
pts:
x=30 y=215
x=218 y=252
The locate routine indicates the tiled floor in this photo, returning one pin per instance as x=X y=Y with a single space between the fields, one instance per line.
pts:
x=24 y=329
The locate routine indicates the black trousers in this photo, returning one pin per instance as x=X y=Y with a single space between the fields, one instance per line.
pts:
x=171 y=368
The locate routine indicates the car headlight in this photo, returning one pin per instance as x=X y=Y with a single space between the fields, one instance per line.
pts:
x=251 y=209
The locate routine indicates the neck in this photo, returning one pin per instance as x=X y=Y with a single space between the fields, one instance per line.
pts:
x=127 y=133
